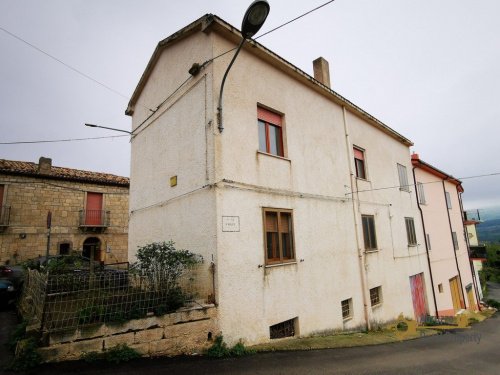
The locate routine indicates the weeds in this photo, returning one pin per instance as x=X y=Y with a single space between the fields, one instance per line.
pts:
x=220 y=349
x=27 y=357
x=117 y=354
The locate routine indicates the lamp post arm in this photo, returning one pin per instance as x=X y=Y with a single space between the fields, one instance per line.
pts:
x=105 y=127
x=219 y=107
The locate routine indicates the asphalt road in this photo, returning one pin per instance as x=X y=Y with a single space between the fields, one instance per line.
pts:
x=471 y=351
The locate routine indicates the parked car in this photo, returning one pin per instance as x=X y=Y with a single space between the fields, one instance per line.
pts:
x=14 y=274
x=8 y=292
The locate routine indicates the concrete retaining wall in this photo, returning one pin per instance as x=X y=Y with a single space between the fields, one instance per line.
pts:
x=186 y=331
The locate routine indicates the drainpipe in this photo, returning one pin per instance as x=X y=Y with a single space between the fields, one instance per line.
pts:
x=361 y=255
x=426 y=246
x=471 y=265
x=454 y=251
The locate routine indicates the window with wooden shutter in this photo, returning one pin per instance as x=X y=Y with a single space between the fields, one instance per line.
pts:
x=270 y=132
x=359 y=162
x=278 y=227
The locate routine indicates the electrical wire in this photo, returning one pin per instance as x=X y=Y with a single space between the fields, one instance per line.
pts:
x=424 y=183
x=295 y=19
x=66 y=65
x=61 y=140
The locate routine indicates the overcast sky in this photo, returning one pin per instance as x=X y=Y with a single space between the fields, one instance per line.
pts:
x=429 y=69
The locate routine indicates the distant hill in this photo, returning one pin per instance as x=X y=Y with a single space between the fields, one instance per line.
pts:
x=489 y=231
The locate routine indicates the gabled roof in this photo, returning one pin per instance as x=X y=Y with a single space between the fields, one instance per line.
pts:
x=210 y=22
x=419 y=163
x=30 y=169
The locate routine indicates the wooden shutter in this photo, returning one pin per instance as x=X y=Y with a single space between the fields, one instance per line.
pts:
x=268 y=116
x=271 y=222
x=358 y=154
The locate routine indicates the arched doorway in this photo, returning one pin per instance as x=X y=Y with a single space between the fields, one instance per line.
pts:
x=92 y=246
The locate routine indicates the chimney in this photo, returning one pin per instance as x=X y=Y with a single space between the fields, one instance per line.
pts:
x=44 y=165
x=321 y=71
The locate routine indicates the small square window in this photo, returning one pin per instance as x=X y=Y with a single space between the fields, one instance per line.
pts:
x=376 y=296
x=440 y=288
x=428 y=236
x=346 y=308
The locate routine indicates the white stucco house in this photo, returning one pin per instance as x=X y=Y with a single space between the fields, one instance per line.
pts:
x=304 y=201
x=440 y=203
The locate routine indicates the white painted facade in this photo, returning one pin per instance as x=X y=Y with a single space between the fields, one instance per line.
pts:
x=441 y=220
x=224 y=182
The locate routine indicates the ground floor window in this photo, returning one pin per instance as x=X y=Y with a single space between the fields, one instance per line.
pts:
x=283 y=329
x=376 y=296
x=346 y=308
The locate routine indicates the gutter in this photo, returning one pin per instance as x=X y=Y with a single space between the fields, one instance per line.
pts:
x=467 y=242
x=426 y=246
x=454 y=251
x=361 y=255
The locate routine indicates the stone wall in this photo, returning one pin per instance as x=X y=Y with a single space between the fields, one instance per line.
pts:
x=30 y=199
x=187 y=331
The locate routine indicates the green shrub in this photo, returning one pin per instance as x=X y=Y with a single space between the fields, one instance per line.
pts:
x=219 y=349
x=18 y=334
x=493 y=303
x=121 y=353
x=91 y=314
x=27 y=358
x=91 y=357
x=240 y=350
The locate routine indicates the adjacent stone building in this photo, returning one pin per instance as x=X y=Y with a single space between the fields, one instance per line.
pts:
x=89 y=212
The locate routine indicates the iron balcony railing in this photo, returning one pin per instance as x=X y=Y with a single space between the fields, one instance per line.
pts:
x=478 y=252
x=94 y=218
x=4 y=216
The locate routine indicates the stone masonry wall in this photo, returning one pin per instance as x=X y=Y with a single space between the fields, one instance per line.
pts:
x=186 y=331
x=30 y=200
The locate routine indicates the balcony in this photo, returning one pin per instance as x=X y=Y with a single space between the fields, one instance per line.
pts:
x=478 y=252
x=94 y=220
x=4 y=217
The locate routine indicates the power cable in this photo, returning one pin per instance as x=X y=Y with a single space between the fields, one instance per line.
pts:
x=67 y=65
x=61 y=140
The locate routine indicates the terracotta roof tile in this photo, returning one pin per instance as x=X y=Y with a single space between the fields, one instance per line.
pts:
x=31 y=169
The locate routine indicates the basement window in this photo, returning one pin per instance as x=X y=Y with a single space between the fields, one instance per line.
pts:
x=376 y=296
x=283 y=329
x=347 y=308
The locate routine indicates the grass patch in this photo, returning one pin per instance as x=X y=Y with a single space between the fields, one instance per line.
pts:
x=344 y=340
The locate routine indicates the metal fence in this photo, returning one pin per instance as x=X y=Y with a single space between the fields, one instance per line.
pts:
x=53 y=302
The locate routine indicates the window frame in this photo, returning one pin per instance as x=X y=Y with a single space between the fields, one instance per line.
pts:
x=421 y=193
x=275 y=120
x=362 y=161
x=281 y=260
x=411 y=235
x=378 y=302
x=403 y=178
x=369 y=246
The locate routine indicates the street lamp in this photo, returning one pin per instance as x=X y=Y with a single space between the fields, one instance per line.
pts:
x=254 y=18
x=105 y=127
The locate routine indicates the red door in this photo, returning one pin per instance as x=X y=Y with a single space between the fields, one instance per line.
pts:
x=418 y=296
x=93 y=214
